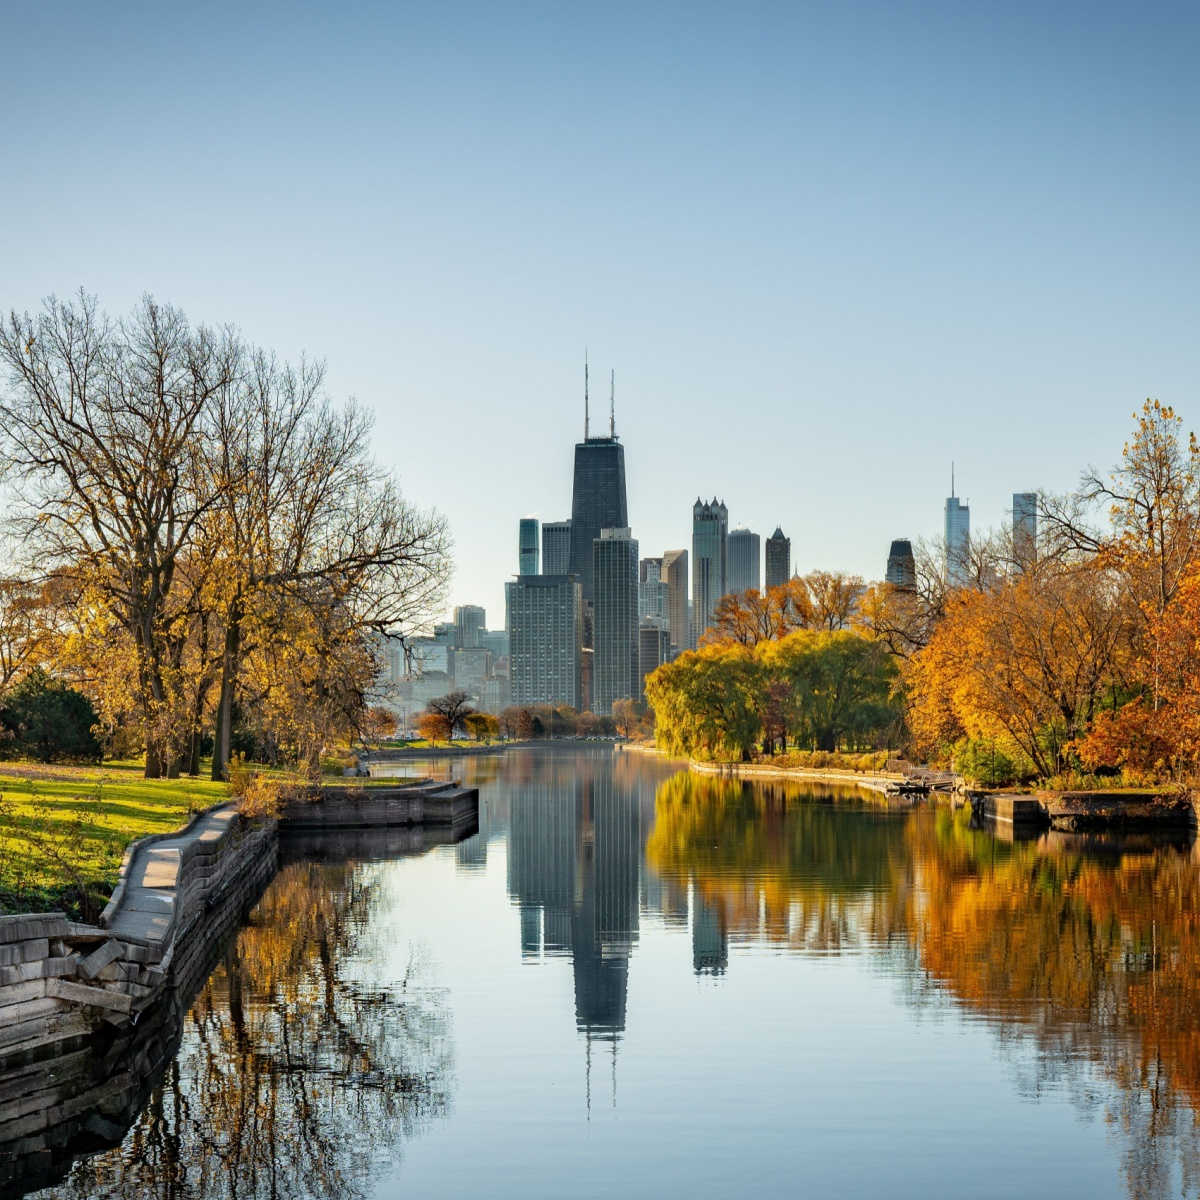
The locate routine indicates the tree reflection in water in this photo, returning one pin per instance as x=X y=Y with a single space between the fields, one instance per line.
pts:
x=294 y=1078
x=1090 y=946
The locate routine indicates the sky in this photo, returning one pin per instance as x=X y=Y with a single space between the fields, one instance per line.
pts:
x=828 y=249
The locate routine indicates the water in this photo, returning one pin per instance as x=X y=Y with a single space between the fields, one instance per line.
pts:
x=636 y=982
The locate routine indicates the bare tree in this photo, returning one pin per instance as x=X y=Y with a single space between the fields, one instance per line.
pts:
x=103 y=427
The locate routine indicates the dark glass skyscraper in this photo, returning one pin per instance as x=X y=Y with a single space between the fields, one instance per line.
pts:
x=779 y=559
x=528 y=547
x=597 y=502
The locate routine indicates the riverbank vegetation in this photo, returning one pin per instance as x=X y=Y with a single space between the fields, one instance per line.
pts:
x=208 y=553
x=1072 y=658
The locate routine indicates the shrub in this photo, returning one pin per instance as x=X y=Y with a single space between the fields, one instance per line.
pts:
x=260 y=798
x=47 y=720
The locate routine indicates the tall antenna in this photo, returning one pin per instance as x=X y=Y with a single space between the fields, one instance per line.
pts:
x=612 y=404
x=952 y=477
x=585 y=395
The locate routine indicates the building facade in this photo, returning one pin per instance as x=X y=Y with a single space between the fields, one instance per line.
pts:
x=745 y=557
x=958 y=543
x=654 y=649
x=710 y=571
x=1024 y=528
x=528 y=551
x=615 y=634
x=675 y=576
x=597 y=502
x=779 y=559
x=469 y=623
x=901 y=565
x=652 y=589
x=545 y=639
x=556 y=547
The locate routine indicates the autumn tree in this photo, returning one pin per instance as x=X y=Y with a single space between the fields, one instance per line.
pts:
x=625 y=717
x=454 y=707
x=103 y=426
x=433 y=727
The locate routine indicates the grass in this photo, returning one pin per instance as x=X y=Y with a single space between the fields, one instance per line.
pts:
x=64 y=829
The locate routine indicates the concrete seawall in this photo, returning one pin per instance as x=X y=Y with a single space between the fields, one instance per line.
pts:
x=91 y=1015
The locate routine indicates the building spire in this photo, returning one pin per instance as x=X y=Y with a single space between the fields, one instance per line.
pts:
x=586 y=414
x=952 y=478
x=612 y=404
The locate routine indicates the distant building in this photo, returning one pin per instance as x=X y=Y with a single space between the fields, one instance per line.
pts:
x=527 y=546
x=958 y=540
x=471 y=667
x=1024 y=528
x=615 y=639
x=469 y=622
x=675 y=576
x=710 y=573
x=556 y=547
x=495 y=640
x=652 y=589
x=779 y=559
x=745 y=557
x=901 y=565
x=546 y=638
x=597 y=495
x=448 y=633
x=429 y=655
x=654 y=649
x=496 y=694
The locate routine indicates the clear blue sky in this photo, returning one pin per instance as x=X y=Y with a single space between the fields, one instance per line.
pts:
x=827 y=248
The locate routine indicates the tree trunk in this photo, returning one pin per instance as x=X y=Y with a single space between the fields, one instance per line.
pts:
x=230 y=656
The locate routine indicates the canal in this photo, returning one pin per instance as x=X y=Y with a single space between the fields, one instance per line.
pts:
x=635 y=982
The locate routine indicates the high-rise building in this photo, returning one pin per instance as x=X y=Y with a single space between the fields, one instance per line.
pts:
x=779 y=559
x=615 y=636
x=744 y=561
x=528 y=546
x=597 y=494
x=710 y=526
x=901 y=565
x=1024 y=528
x=958 y=540
x=545 y=639
x=675 y=576
x=495 y=640
x=652 y=589
x=471 y=668
x=654 y=649
x=556 y=547
x=469 y=622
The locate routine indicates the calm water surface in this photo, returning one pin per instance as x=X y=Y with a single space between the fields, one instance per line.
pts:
x=635 y=982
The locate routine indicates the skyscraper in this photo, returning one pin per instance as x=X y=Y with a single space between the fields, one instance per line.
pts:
x=615 y=639
x=652 y=590
x=779 y=559
x=901 y=565
x=1024 y=528
x=556 y=547
x=469 y=622
x=958 y=540
x=528 y=546
x=545 y=615
x=744 y=561
x=710 y=525
x=675 y=575
x=597 y=495
x=654 y=649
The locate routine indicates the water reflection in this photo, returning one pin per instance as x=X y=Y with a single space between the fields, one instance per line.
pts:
x=296 y=1076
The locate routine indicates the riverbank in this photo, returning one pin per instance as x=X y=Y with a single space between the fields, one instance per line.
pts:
x=472 y=749
x=64 y=829
x=884 y=782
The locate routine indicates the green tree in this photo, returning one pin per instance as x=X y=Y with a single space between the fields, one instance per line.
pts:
x=48 y=720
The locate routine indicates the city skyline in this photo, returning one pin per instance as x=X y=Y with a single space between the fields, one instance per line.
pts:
x=984 y=222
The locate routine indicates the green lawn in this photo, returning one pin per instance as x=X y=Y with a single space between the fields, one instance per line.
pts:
x=63 y=830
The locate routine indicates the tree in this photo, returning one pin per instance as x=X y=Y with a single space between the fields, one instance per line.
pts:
x=103 y=425
x=433 y=727
x=454 y=708
x=481 y=726
x=378 y=724
x=833 y=598
x=625 y=717
x=48 y=720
